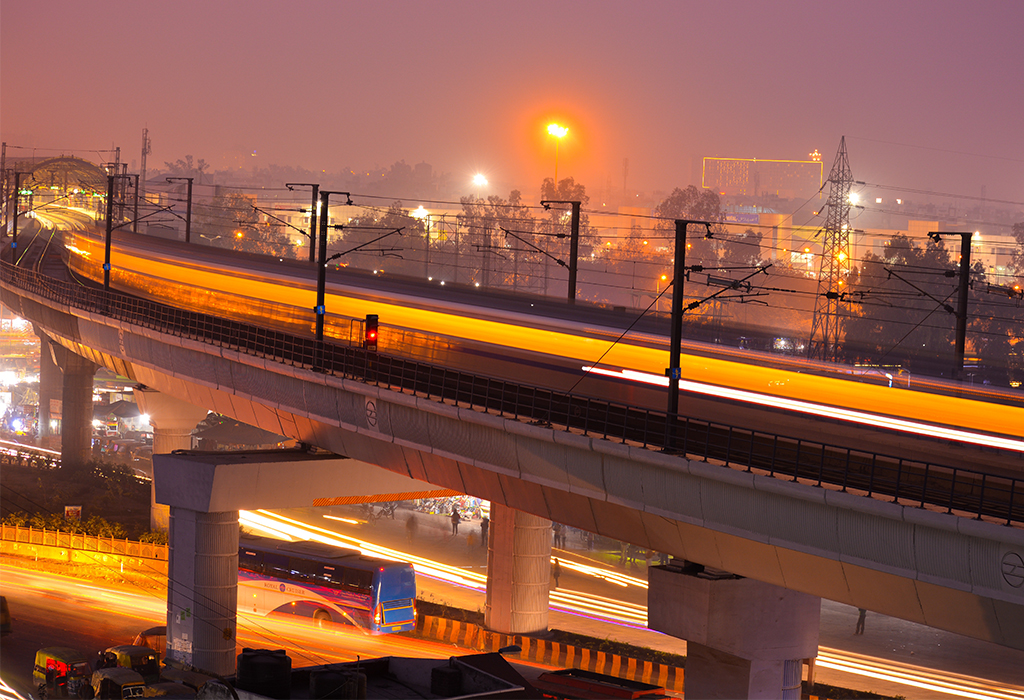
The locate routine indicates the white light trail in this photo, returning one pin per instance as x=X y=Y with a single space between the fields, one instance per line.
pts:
x=844 y=414
x=576 y=602
x=924 y=678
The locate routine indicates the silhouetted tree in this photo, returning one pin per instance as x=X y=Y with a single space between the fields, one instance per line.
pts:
x=741 y=249
x=186 y=168
x=696 y=205
x=402 y=252
x=900 y=318
x=503 y=259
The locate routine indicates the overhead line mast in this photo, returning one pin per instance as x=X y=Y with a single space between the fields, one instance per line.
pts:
x=826 y=335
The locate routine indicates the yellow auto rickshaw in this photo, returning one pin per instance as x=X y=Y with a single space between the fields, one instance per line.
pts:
x=61 y=672
x=142 y=660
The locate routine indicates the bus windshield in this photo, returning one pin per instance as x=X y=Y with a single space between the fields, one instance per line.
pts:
x=326 y=583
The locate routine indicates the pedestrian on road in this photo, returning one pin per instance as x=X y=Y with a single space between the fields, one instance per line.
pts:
x=556 y=571
x=485 y=523
x=456 y=519
x=862 y=613
x=410 y=528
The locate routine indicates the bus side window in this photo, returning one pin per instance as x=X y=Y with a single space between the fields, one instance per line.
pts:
x=250 y=561
x=326 y=572
x=304 y=569
x=276 y=565
x=358 y=580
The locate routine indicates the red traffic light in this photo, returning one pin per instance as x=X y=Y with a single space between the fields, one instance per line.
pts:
x=370 y=339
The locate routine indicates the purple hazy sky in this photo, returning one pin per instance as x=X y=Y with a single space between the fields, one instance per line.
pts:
x=929 y=94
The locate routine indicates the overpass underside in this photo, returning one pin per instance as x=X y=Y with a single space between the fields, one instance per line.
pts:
x=938 y=569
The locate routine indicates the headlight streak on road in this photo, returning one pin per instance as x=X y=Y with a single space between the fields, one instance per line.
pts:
x=350 y=521
x=609 y=575
x=844 y=414
x=16 y=446
x=7 y=691
x=600 y=607
x=917 y=677
x=631 y=615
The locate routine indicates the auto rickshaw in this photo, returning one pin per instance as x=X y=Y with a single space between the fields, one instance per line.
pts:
x=142 y=660
x=61 y=672
x=116 y=683
x=155 y=638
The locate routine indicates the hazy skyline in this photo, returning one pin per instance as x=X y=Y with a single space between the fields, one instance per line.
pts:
x=928 y=94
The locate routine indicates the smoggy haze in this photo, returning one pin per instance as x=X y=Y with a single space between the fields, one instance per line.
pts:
x=928 y=93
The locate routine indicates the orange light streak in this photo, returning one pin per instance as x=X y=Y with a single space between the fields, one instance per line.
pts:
x=522 y=332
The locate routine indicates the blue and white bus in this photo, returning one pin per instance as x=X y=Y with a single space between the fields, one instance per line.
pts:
x=325 y=583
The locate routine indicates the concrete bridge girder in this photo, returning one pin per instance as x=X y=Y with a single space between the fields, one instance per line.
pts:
x=936 y=569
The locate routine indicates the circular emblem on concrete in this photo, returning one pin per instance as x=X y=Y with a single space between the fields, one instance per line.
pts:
x=1013 y=569
x=371 y=414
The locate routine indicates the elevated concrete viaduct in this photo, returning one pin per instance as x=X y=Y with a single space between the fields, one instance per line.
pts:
x=938 y=569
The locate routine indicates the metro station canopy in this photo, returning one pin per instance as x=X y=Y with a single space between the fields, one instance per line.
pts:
x=64 y=172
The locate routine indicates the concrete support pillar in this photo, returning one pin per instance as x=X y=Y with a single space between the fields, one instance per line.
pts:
x=744 y=638
x=202 y=589
x=50 y=388
x=518 y=572
x=173 y=421
x=76 y=406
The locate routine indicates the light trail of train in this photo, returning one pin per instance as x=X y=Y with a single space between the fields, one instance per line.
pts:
x=875 y=420
x=220 y=286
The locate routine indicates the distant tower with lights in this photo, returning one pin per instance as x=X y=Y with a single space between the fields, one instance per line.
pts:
x=835 y=263
x=147 y=148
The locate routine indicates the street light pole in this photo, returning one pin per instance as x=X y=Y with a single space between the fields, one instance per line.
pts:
x=321 y=272
x=559 y=133
x=574 y=242
x=188 y=207
x=312 y=214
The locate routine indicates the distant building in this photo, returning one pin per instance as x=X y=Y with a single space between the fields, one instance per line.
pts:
x=787 y=179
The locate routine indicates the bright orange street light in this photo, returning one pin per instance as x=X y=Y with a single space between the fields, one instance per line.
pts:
x=559 y=133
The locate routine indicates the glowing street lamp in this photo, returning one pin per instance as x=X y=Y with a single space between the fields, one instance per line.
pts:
x=559 y=133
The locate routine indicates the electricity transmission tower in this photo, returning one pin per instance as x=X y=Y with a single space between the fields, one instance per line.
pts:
x=835 y=263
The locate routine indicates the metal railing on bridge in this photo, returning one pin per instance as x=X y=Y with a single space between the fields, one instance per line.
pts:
x=951 y=489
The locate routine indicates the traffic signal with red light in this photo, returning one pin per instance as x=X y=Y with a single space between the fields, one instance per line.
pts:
x=370 y=342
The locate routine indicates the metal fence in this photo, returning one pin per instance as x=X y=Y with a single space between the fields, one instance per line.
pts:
x=954 y=490
x=82 y=542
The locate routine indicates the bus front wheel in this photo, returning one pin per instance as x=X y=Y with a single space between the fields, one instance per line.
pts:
x=322 y=618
